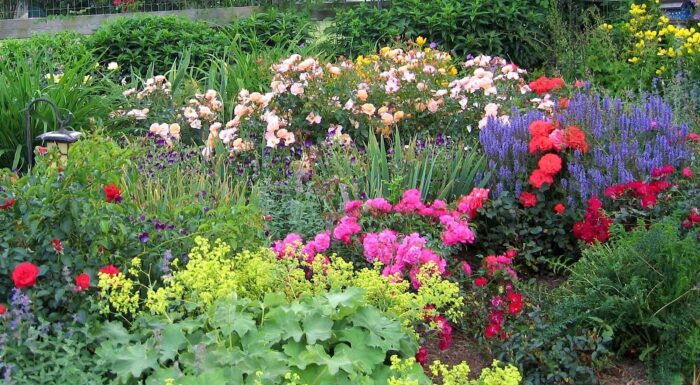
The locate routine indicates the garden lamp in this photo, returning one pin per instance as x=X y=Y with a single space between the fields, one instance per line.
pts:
x=62 y=138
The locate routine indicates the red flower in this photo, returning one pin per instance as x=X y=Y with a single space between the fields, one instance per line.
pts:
x=481 y=281
x=41 y=150
x=515 y=307
x=616 y=191
x=514 y=297
x=539 y=177
x=693 y=137
x=663 y=171
x=540 y=143
x=545 y=84
x=112 y=193
x=594 y=226
x=110 y=270
x=576 y=139
x=579 y=83
x=550 y=163
x=496 y=317
x=24 y=275
x=648 y=201
x=57 y=246
x=563 y=103
x=422 y=355
x=82 y=282
x=528 y=199
x=540 y=128
x=594 y=203
x=8 y=203
x=559 y=208
x=687 y=172
x=511 y=253
x=492 y=331
x=3 y=309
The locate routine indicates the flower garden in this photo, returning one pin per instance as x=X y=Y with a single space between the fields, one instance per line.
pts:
x=279 y=202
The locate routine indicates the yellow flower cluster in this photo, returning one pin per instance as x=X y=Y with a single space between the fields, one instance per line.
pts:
x=119 y=290
x=211 y=273
x=385 y=293
x=455 y=375
x=656 y=36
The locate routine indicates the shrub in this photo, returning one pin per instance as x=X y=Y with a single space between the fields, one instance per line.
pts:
x=271 y=27
x=137 y=44
x=465 y=26
x=643 y=285
x=56 y=51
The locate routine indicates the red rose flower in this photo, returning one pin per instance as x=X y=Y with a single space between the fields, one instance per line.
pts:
x=693 y=137
x=550 y=163
x=648 y=201
x=57 y=246
x=110 y=270
x=3 y=309
x=545 y=84
x=511 y=253
x=540 y=128
x=616 y=191
x=492 y=331
x=559 y=208
x=82 y=282
x=663 y=171
x=8 y=203
x=24 y=275
x=540 y=143
x=539 y=177
x=422 y=355
x=687 y=172
x=528 y=199
x=515 y=307
x=576 y=139
x=481 y=281
x=112 y=193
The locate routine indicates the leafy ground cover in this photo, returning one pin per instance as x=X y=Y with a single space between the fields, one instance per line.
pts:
x=267 y=204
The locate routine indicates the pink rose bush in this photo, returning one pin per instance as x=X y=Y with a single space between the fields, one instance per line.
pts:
x=377 y=232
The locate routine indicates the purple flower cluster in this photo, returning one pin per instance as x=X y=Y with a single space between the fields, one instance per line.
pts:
x=506 y=148
x=626 y=142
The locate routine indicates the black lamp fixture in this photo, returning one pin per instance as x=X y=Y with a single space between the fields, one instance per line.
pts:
x=62 y=138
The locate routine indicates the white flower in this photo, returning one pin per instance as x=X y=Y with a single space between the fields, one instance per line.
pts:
x=112 y=66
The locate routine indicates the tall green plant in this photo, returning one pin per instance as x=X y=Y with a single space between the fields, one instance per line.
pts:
x=75 y=88
x=438 y=171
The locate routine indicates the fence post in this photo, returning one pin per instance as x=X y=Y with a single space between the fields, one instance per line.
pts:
x=22 y=10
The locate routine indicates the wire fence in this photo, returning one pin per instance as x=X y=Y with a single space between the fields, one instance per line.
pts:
x=11 y=9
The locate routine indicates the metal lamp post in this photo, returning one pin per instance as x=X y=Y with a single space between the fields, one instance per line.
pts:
x=62 y=138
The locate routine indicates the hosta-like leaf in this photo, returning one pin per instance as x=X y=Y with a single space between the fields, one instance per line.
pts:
x=134 y=360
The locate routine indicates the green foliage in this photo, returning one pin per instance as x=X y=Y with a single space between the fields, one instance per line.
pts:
x=540 y=235
x=272 y=28
x=154 y=43
x=555 y=353
x=30 y=73
x=57 y=50
x=644 y=286
x=69 y=205
x=332 y=338
x=438 y=170
x=465 y=26
x=46 y=353
x=296 y=207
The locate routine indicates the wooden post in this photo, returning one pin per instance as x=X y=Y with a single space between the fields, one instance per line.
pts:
x=22 y=10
